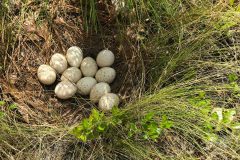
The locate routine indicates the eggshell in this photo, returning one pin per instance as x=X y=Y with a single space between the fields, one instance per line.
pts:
x=98 y=91
x=108 y=101
x=65 y=90
x=73 y=74
x=85 y=85
x=105 y=74
x=46 y=74
x=74 y=56
x=58 y=62
x=89 y=67
x=105 y=58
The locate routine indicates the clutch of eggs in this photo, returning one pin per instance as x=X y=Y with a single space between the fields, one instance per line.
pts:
x=85 y=76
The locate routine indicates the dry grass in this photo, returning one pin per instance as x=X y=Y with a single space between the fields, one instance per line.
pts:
x=31 y=32
x=43 y=29
x=160 y=62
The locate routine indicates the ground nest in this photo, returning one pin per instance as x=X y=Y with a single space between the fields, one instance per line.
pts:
x=37 y=40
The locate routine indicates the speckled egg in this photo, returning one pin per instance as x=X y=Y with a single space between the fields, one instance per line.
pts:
x=46 y=74
x=105 y=74
x=72 y=74
x=98 y=91
x=85 y=85
x=105 y=58
x=65 y=90
x=89 y=67
x=74 y=56
x=58 y=62
x=108 y=101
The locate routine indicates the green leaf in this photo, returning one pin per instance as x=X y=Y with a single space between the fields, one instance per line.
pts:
x=232 y=77
x=101 y=127
x=76 y=130
x=116 y=121
x=214 y=116
x=2 y=114
x=13 y=106
x=133 y=129
x=95 y=114
x=235 y=87
x=115 y=111
x=202 y=94
x=86 y=124
x=211 y=137
x=165 y=123
x=145 y=136
x=208 y=127
x=148 y=117
x=231 y=2
x=204 y=103
x=153 y=131
x=219 y=113
x=206 y=110
x=228 y=115
x=83 y=138
x=2 y=103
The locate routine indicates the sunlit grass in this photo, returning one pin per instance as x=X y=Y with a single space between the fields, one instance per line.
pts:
x=182 y=45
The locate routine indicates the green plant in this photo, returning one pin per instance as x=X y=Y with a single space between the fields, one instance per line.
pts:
x=148 y=128
x=217 y=119
x=184 y=56
x=90 y=15
x=225 y=119
x=99 y=125
x=96 y=125
x=233 y=84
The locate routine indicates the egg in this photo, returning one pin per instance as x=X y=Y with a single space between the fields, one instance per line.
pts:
x=85 y=85
x=65 y=90
x=89 y=67
x=105 y=74
x=105 y=58
x=74 y=56
x=108 y=101
x=58 y=62
x=46 y=74
x=98 y=91
x=73 y=74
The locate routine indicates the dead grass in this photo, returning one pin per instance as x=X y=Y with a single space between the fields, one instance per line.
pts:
x=31 y=31
x=39 y=30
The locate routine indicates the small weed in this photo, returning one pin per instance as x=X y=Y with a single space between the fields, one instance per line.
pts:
x=2 y=103
x=99 y=125
x=217 y=119
x=13 y=106
x=96 y=125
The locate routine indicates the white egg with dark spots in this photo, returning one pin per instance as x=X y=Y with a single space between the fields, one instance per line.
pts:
x=98 y=91
x=105 y=74
x=108 y=101
x=65 y=90
x=74 y=56
x=46 y=74
x=105 y=58
x=89 y=67
x=73 y=74
x=58 y=62
x=85 y=85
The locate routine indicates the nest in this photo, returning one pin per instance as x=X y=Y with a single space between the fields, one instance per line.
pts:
x=38 y=39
